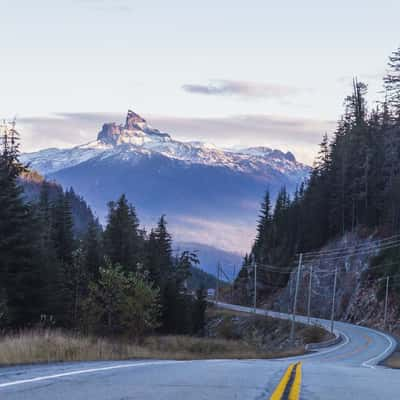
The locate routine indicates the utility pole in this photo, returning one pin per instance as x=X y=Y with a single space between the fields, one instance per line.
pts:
x=233 y=282
x=295 y=298
x=333 y=299
x=217 y=285
x=289 y=307
x=309 y=295
x=386 y=302
x=255 y=286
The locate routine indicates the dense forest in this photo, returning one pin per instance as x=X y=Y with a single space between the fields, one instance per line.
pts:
x=354 y=185
x=59 y=267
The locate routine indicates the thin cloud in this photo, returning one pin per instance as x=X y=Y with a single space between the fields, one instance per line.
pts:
x=298 y=135
x=62 y=129
x=243 y=89
x=235 y=237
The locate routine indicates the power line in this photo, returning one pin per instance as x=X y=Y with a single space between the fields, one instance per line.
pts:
x=351 y=252
x=361 y=252
x=393 y=238
x=272 y=270
x=369 y=268
x=275 y=268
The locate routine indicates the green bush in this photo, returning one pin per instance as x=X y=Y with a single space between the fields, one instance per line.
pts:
x=121 y=302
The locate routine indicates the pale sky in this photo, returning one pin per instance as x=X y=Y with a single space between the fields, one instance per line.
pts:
x=234 y=73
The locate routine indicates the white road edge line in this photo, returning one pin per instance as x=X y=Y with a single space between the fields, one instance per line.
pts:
x=322 y=352
x=275 y=314
x=100 y=369
x=84 y=371
x=371 y=363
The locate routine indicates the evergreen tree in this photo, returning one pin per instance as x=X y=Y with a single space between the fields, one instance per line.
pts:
x=62 y=228
x=199 y=312
x=122 y=302
x=159 y=260
x=183 y=264
x=93 y=249
x=51 y=265
x=392 y=84
x=263 y=230
x=123 y=243
x=77 y=283
x=20 y=277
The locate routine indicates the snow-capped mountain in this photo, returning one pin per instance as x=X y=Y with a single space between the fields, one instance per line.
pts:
x=137 y=136
x=197 y=184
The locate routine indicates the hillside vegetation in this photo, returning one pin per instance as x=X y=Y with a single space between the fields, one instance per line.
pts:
x=354 y=188
x=60 y=269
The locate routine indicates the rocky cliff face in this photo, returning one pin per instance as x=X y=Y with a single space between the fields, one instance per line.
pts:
x=367 y=308
x=136 y=131
x=359 y=298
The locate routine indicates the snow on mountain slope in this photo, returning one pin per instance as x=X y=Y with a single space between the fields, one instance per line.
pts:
x=210 y=195
x=137 y=136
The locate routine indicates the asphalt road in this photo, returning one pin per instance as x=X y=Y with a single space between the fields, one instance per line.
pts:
x=347 y=370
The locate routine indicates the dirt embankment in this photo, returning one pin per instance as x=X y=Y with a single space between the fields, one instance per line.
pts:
x=358 y=298
x=264 y=334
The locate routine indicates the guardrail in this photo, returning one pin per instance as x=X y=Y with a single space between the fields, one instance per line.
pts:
x=327 y=343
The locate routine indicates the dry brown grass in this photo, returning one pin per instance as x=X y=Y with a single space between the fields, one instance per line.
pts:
x=54 y=345
x=41 y=346
x=393 y=361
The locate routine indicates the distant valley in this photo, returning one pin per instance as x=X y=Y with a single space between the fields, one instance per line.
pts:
x=210 y=196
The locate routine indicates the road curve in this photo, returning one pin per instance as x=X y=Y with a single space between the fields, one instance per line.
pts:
x=347 y=370
x=360 y=346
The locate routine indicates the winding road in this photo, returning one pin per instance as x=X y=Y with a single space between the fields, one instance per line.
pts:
x=347 y=370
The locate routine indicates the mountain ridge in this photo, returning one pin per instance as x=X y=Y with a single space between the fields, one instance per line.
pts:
x=210 y=195
x=136 y=135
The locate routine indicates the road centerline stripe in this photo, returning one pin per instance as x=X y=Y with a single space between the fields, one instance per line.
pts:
x=280 y=389
x=294 y=393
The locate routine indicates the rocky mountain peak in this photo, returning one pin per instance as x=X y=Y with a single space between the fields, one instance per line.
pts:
x=136 y=137
x=136 y=132
x=133 y=119
x=263 y=151
x=109 y=133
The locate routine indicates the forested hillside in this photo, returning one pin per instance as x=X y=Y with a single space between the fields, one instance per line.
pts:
x=354 y=186
x=58 y=267
x=35 y=187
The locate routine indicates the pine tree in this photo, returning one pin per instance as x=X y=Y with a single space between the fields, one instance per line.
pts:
x=62 y=228
x=123 y=243
x=183 y=264
x=392 y=84
x=199 y=311
x=159 y=260
x=93 y=249
x=20 y=277
x=263 y=237
x=51 y=266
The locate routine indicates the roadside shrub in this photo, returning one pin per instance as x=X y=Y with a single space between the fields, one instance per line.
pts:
x=122 y=303
x=313 y=334
x=226 y=329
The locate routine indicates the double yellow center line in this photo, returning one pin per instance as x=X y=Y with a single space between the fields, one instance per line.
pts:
x=290 y=384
